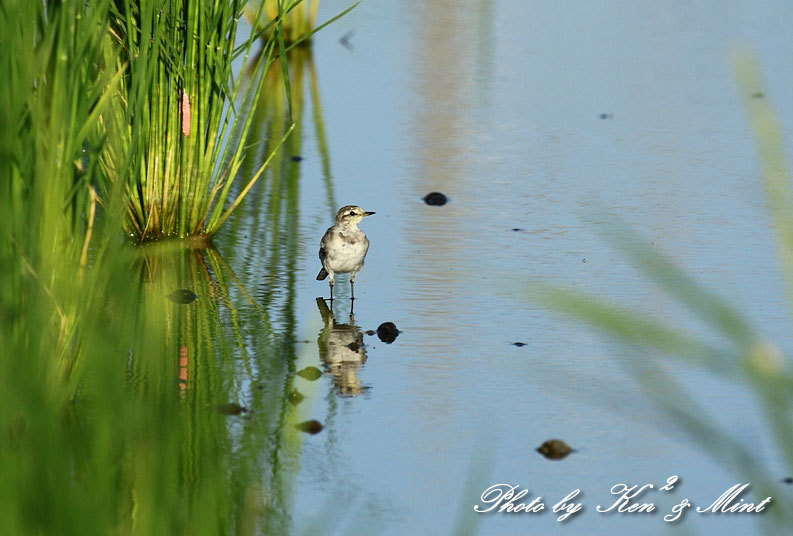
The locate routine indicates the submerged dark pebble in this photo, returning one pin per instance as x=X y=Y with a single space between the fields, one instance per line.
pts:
x=310 y=373
x=230 y=409
x=310 y=427
x=182 y=295
x=387 y=332
x=554 y=449
x=519 y=344
x=296 y=158
x=435 y=199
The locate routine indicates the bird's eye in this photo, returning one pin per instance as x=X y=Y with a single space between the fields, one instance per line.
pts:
x=351 y=213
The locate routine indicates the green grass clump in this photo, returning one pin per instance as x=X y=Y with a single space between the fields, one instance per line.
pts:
x=182 y=114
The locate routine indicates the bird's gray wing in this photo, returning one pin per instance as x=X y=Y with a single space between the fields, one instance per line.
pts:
x=323 y=253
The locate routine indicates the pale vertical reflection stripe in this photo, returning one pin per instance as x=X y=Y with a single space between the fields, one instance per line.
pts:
x=435 y=279
x=433 y=234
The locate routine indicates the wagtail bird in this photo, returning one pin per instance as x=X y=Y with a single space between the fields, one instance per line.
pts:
x=344 y=247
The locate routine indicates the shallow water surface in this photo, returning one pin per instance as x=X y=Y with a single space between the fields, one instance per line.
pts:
x=539 y=122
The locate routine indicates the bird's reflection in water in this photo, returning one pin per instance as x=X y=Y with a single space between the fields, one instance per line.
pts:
x=342 y=351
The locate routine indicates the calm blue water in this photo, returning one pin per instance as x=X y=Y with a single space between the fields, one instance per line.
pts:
x=498 y=104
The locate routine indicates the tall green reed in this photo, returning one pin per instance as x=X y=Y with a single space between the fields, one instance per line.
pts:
x=183 y=112
x=740 y=355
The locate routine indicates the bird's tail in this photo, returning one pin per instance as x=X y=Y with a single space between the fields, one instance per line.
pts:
x=322 y=274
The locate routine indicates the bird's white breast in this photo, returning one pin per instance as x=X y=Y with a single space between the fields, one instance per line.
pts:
x=346 y=250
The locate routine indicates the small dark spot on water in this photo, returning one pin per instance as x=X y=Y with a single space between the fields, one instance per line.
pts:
x=344 y=40
x=387 y=332
x=788 y=480
x=296 y=158
x=606 y=116
x=370 y=332
x=260 y=386
x=310 y=373
x=296 y=397
x=435 y=199
x=583 y=260
x=758 y=95
x=230 y=409
x=555 y=449
x=517 y=229
x=183 y=296
x=519 y=344
x=312 y=427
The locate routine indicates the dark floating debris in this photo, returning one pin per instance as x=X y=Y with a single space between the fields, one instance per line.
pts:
x=519 y=344
x=344 y=40
x=517 y=229
x=555 y=449
x=310 y=373
x=788 y=480
x=296 y=397
x=758 y=95
x=312 y=427
x=387 y=332
x=606 y=116
x=182 y=295
x=435 y=199
x=370 y=332
x=230 y=409
x=296 y=158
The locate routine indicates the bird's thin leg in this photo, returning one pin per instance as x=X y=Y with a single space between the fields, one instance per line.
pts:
x=352 y=290
x=331 y=291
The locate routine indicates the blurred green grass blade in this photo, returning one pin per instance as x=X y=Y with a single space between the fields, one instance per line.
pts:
x=100 y=106
x=322 y=141
x=773 y=385
x=279 y=32
x=772 y=158
x=687 y=414
x=630 y=326
x=709 y=307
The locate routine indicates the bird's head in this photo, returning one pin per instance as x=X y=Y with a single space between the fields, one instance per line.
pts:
x=351 y=215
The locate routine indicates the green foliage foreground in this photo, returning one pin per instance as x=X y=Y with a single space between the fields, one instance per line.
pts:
x=738 y=355
x=133 y=116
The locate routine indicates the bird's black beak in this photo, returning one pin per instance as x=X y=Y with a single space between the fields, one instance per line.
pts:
x=368 y=213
